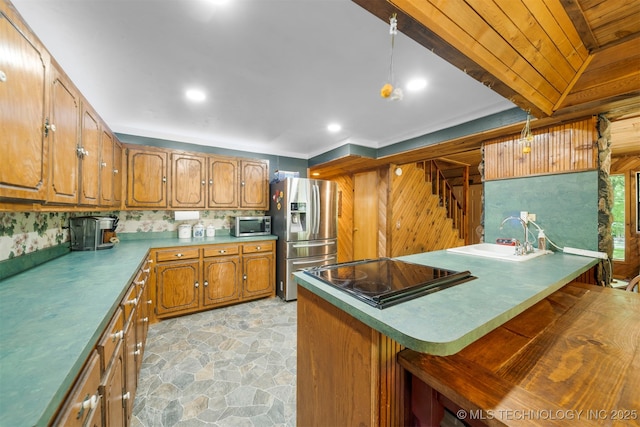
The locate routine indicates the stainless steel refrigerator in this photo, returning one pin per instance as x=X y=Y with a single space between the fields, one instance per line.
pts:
x=304 y=216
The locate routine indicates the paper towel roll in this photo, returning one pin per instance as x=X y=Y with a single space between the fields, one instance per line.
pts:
x=185 y=215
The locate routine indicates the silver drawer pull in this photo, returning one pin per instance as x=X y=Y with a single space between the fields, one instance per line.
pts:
x=179 y=255
x=222 y=251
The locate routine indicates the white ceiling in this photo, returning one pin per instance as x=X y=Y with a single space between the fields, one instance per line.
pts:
x=276 y=72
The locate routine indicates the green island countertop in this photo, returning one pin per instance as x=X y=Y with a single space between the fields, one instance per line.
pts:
x=443 y=323
x=52 y=316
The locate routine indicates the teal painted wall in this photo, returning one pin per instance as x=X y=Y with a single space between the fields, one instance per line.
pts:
x=566 y=207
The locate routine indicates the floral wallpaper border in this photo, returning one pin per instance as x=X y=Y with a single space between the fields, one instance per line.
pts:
x=25 y=232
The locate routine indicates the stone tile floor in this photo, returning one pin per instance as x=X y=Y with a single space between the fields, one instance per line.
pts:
x=232 y=366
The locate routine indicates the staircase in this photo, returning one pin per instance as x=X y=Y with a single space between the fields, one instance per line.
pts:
x=426 y=216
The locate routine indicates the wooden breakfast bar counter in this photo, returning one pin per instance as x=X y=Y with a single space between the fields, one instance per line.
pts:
x=572 y=359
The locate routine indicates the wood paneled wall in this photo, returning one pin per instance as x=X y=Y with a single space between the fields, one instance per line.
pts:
x=569 y=147
x=345 y=217
x=417 y=221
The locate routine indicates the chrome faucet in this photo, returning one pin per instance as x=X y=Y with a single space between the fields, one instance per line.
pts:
x=525 y=247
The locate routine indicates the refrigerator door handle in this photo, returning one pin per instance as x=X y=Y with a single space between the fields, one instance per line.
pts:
x=317 y=208
x=312 y=245
x=314 y=261
x=314 y=209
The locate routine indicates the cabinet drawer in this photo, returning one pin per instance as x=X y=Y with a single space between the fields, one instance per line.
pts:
x=129 y=302
x=221 y=250
x=265 y=246
x=176 y=254
x=141 y=279
x=110 y=339
x=84 y=399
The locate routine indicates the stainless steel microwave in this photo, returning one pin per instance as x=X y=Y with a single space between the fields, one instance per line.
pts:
x=243 y=226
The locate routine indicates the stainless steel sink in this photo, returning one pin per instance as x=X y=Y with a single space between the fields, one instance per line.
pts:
x=491 y=250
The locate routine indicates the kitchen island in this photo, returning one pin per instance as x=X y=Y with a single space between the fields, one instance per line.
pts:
x=347 y=350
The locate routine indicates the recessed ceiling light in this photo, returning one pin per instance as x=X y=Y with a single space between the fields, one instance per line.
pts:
x=416 y=84
x=195 y=95
x=334 y=127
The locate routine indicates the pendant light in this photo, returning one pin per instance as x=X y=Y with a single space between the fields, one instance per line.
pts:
x=526 y=137
x=388 y=90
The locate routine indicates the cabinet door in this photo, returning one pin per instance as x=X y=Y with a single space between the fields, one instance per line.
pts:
x=188 y=181
x=221 y=279
x=106 y=169
x=64 y=141
x=142 y=325
x=117 y=173
x=254 y=185
x=258 y=275
x=90 y=157
x=177 y=287
x=130 y=365
x=223 y=182
x=23 y=108
x=112 y=390
x=146 y=178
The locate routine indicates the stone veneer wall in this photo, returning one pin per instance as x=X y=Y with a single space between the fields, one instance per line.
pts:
x=604 y=271
x=22 y=233
x=605 y=189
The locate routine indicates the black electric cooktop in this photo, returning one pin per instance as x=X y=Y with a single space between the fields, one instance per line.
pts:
x=385 y=282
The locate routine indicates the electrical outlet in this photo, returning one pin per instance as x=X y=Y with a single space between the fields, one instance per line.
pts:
x=531 y=217
x=524 y=215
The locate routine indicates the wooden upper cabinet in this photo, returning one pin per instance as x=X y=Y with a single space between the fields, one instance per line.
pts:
x=23 y=109
x=146 y=178
x=223 y=182
x=106 y=168
x=188 y=182
x=64 y=141
x=254 y=184
x=89 y=157
x=118 y=171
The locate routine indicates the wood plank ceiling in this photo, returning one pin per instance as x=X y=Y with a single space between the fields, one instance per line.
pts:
x=558 y=59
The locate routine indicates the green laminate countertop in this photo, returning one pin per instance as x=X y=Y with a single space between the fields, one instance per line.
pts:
x=52 y=316
x=445 y=322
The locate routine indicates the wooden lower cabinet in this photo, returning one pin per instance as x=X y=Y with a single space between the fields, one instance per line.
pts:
x=104 y=392
x=222 y=280
x=257 y=267
x=177 y=287
x=347 y=371
x=84 y=406
x=112 y=389
x=130 y=366
x=211 y=276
